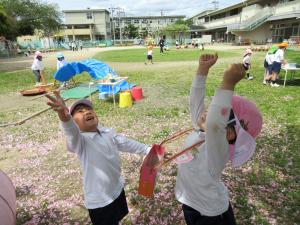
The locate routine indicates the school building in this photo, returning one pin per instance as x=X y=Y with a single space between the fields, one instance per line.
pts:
x=251 y=21
x=87 y=25
x=149 y=24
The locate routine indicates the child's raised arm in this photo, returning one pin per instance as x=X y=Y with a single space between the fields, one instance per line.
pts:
x=232 y=76
x=205 y=62
x=58 y=105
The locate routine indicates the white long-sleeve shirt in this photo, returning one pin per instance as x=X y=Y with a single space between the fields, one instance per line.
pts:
x=98 y=153
x=60 y=64
x=37 y=65
x=198 y=182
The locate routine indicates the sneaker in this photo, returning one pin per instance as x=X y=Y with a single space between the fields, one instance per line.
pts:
x=265 y=82
x=274 y=85
x=250 y=78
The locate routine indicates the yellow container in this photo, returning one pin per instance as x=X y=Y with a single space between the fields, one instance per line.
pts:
x=125 y=99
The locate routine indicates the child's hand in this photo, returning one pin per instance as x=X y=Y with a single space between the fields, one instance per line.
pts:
x=232 y=76
x=58 y=105
x=205 y=62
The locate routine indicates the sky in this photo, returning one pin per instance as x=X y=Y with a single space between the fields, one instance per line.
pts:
x=146 y=7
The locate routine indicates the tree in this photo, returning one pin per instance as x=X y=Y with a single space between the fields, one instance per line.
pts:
x=179 y=27
x=131 y=31
x=4 y=25
x=27 y=16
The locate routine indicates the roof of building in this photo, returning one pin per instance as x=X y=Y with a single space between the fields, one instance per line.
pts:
x=152 y=17
x=84 y=10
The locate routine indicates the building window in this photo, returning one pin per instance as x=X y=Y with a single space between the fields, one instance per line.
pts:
x=136 y=21
x=171 y=20
x=89 y=15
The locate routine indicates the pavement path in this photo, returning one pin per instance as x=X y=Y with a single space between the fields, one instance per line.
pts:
x=24 y=63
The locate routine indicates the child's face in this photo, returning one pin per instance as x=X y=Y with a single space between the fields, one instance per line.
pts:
x=230 y=131
x=201 y=120
x=85 y=118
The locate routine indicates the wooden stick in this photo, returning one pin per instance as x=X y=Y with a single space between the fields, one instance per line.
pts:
x=29 y=117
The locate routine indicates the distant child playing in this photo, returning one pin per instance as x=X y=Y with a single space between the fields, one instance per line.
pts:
x=98 y=149
x=229 y=129
x=60 y=60
x=149 y=54
x=38 y=68
x=247 y=63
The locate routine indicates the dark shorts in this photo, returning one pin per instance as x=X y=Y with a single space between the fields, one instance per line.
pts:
x=268 y=67
x=193 y=217
x=149 y=57
x=276 y=67
x=110 y=214
x=37 y=75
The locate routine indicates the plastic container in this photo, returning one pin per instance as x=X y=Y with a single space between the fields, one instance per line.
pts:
x=137 y=93
x=125 y=99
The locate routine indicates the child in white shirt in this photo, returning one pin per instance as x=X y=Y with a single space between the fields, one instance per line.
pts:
x=98 y=149
x=229 y=128
x=38 y=68
x=60 y=60
x=149 y=54
x=247 y=63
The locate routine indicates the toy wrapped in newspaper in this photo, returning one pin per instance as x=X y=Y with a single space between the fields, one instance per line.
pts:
x=155 y=160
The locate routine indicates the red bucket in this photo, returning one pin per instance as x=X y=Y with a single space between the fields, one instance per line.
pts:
x=148 y=172
x=137 y=93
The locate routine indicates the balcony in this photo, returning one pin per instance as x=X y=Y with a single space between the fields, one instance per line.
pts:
x=77 y=32
x=252 y=22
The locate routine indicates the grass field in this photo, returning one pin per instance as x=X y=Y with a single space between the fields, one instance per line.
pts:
x=48 y=181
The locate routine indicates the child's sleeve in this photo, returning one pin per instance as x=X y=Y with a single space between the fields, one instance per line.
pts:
x=216 y=135
x=197 y=95
x=73 y=136
x=128 y=145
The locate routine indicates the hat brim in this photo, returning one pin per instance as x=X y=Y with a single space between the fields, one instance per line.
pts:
x=80 y=102
x=243 y=148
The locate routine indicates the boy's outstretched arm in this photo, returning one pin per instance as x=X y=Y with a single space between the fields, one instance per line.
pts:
x=58 y=105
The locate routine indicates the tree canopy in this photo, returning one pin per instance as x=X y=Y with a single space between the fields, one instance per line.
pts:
x=24 y=17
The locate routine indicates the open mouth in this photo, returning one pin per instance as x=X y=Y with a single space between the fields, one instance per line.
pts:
x=89 y=118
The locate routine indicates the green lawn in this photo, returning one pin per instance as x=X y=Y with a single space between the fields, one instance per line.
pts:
x=47 y=179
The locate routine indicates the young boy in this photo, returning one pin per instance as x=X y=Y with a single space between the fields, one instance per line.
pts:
x=247 y=63
x=38 y=68
x=60 y=60
x=97 y=148
x=229 y=129
x=149 y=54
x=277 y=63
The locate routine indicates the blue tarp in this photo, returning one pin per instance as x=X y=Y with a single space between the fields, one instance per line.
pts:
x=123 y=86
x=97 y=70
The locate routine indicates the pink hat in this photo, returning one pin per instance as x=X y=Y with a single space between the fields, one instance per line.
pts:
x=80 y=102
x=248 y=51
x=37 y=53
x=248 y=126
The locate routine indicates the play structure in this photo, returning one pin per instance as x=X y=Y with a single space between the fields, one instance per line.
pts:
x=103 y=79
x=7 y=200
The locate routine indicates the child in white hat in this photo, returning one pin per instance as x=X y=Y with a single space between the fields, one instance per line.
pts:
x=247 y=63
x=38 y=68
